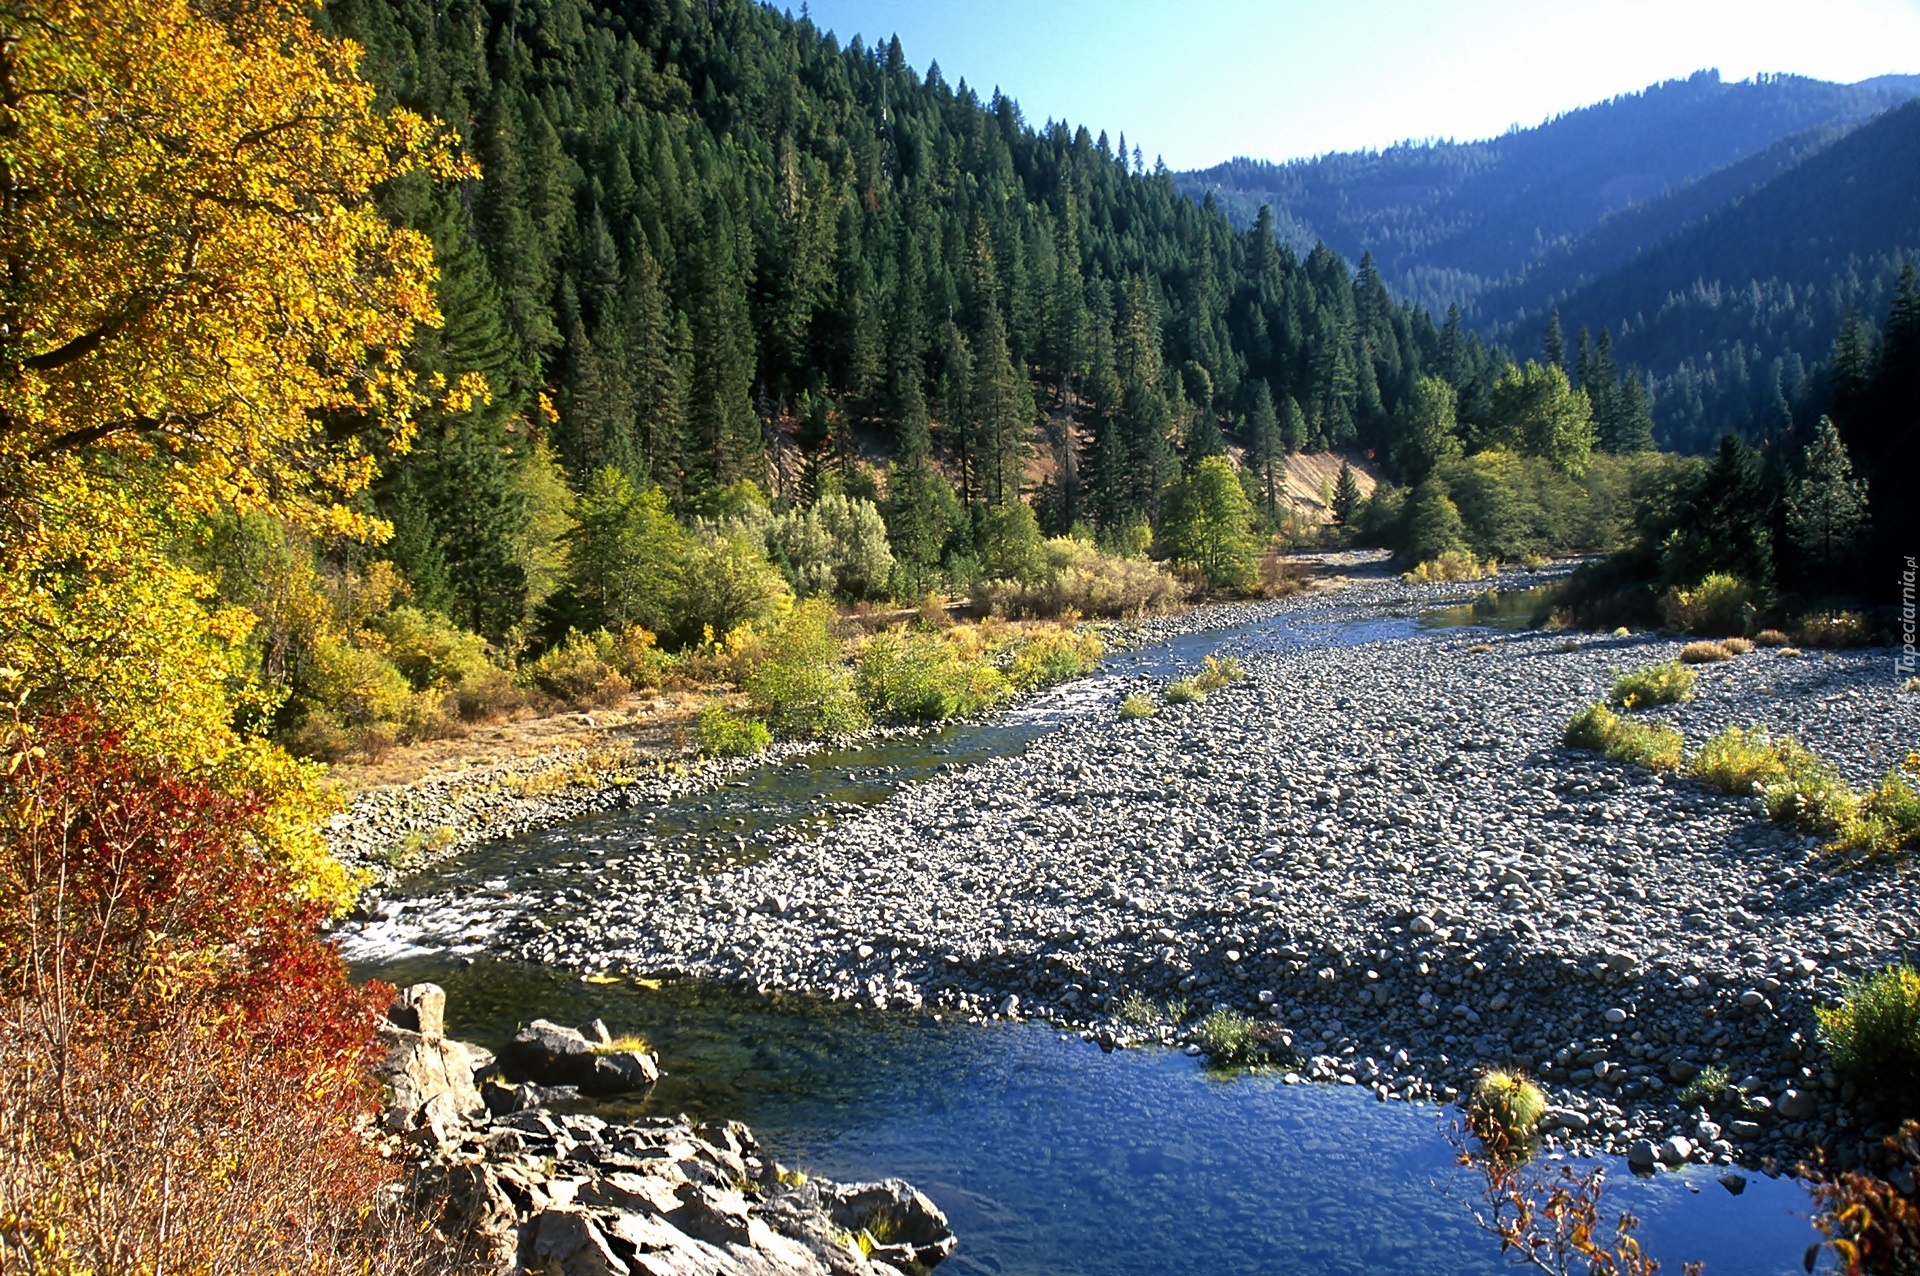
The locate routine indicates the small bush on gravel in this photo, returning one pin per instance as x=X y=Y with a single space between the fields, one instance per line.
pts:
x=1453 y=565
x=1708 y=1089
x=1770 y=638
x=1184 y=691
x=1704 y=653
x=1668 y=683
x=1741 y=760
x=724 y=734
x=1142 y=1011
x=1137 y=706
x=1219 y=673
x=1843 y=629
x=1811 y=795
x=1886 y=820
x=1506 y=1108
x=1717 y=607
x=1735 y=646
x=1874 y=1035
x=1598 y=729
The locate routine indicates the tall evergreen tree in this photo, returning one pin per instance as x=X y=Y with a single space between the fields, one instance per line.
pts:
x=1827 y=512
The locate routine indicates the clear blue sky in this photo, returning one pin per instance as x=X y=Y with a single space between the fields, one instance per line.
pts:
x=1200 y=81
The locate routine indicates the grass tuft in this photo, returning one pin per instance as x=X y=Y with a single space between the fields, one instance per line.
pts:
x=1708 y=1088
x=1770 y=638
x=1232 y=1040
x=1668 y=683
x=1506 y=1107
x=1219 y=673
x=1137 y=706
x=1184 y=691
x=624 y=1045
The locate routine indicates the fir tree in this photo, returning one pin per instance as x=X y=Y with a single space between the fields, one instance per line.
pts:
x=1827 y=511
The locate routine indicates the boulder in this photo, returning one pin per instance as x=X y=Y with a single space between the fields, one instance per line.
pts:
x=908 y=1229
x=421 y=1008
x=550 y=1055
x=431 y=1077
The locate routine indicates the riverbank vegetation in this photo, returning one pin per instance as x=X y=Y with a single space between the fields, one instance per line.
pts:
x=1797 y=787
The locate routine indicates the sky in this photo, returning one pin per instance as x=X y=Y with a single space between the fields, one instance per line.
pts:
x=1201 y=81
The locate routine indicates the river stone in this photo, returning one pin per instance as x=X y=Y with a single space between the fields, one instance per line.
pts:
x=549 y=1054
x=1675 y=1151
x=1798 y=1105
x=1642 y=1154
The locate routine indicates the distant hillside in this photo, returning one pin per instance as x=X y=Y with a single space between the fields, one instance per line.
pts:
x=1734 y=311
x=1447 y=221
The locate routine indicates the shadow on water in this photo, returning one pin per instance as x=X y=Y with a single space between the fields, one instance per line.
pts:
x=1052 y=1157
x=1497 y=609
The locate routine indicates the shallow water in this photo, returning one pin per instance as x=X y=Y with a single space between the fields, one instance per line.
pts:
x=1050 y=1156
x=1495 y=609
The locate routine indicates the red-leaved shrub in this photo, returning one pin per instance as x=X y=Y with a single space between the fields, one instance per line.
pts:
x=185 y=1061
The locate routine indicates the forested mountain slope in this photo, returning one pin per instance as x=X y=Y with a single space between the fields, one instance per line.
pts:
x=1447 y=220
x=706 y=233
x=1735 y=312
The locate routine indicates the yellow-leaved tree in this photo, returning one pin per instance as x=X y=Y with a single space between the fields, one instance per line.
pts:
x=193 y=277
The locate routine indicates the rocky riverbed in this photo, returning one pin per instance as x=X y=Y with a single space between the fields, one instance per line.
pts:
x=1382 y=847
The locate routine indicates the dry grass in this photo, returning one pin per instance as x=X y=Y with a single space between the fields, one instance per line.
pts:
x=1704 y=653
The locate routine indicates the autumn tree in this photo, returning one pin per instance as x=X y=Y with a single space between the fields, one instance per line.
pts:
x=195 y=278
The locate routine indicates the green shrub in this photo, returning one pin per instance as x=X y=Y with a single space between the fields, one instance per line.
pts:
x=1053 y=655
x=1719 y=606
x=725 y=734
x=1505 y=1108
x=1184 y=691
x=1874 y=1035
x=923 y=678
x=1232 y=1040
x=430 y=649
x=1886 y=819
x=800 y=683
x=1741 y=761
x=1137 y=706
x=1668 y=683
x=1598 y=729
x=578 y=670
x=1216 y=674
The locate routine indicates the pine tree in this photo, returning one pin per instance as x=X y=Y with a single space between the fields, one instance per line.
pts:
x=1346 y=495
x=1002 y=414
x=1553 y=345
x=1265 y=446
x=1827 y=511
